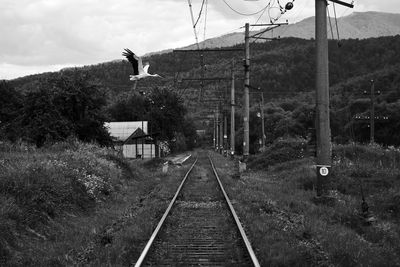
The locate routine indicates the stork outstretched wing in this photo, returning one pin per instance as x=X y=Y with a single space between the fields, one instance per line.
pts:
x=146 y=67
x=136 y=61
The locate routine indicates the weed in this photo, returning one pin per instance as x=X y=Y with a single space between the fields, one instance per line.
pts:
x=275 y=202
x=154 y=163
x=280 y=151
x=40 y=186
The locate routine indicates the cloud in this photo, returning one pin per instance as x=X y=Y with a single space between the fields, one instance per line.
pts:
x=61 y=32
x=11 y=71
x=50 y=33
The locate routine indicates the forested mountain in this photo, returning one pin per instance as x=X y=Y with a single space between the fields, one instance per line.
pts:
x=278 y=68
x=359 y=25
x=285 y=71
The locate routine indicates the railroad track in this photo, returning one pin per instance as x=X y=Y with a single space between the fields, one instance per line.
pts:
x=200 y=226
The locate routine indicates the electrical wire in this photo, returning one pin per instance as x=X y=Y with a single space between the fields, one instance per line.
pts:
x=245 y=14
x=296 y=17
x=330 y=23
x=260 y=16
x=205 y=25
x=346 y=11
x=201 y=10
x=194 y=26
x=337 y=29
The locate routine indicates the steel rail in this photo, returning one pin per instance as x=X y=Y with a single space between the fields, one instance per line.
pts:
x=153 y=236
x=238 y=224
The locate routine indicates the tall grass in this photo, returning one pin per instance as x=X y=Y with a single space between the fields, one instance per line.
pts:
x=282 y=150
x=39 y=185
x=75 y=204
x=288 y=227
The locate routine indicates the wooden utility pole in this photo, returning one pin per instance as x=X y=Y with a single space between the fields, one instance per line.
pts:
x=216 y=137
x=372 y=118
x=372 y=114
x=143 y=141
x=215 y=130
x=225 y=131
x=203 y=70
x=233 y=109
x=262 y=120
x=246 y=101
x=322 y=97
x=201 y=54
x=221 y=130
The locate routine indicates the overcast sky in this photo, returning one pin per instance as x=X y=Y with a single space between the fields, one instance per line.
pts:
x=47 y=35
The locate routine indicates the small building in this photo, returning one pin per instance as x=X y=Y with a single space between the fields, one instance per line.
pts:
x=201 y=132
x=132 y=139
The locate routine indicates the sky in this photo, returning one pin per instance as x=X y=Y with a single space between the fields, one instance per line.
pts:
x=47 y=35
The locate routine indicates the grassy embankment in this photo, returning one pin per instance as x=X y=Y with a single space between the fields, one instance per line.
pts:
x=275 y=200
x=76 y=203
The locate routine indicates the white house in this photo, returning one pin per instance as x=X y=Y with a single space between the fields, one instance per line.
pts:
x=133 y=140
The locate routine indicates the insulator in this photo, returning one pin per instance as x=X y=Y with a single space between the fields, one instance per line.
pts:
x=289 y=5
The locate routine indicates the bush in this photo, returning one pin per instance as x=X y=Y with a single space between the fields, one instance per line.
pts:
x=377 y=155
x=280 y=151
x=373 y=167
x=179 y=144
x=36 y=187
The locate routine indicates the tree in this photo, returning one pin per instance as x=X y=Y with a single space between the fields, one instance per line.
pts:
x=42 y=120
x=63 y=105
x=128 y=107
x=189 y=131
x=166 y=113
x=82 y=101
x=10 y=103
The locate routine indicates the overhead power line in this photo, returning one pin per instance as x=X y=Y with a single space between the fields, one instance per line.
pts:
x=201 y=10
x=245 y=14
x=205 y=25
x=194 y=25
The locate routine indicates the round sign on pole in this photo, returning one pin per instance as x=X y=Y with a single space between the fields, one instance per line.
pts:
x=324 y=171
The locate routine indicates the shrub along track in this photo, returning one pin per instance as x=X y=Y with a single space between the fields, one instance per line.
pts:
x=199 y=228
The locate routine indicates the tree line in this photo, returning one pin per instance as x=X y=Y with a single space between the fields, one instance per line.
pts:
x=284 y=71
x=73 y=103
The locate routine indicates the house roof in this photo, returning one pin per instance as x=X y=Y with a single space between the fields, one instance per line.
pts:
x=140 y=135
x=120 y=131
x=137 y=133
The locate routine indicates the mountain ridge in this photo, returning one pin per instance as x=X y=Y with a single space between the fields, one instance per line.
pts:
x=358 y=25
x=373 y=24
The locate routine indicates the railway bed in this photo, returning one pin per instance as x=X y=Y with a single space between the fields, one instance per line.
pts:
x=199 y=228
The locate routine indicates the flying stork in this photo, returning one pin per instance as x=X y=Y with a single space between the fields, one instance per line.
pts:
x=139 y=71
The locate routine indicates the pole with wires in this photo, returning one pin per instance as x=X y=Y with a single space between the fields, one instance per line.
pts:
x=215 y=130
x=262 y=121
x=233 y=109
x=322 y=95
x=322 y=125
x=246 y=114
x=198 y=45
x=194 y=25
x=372 y=114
